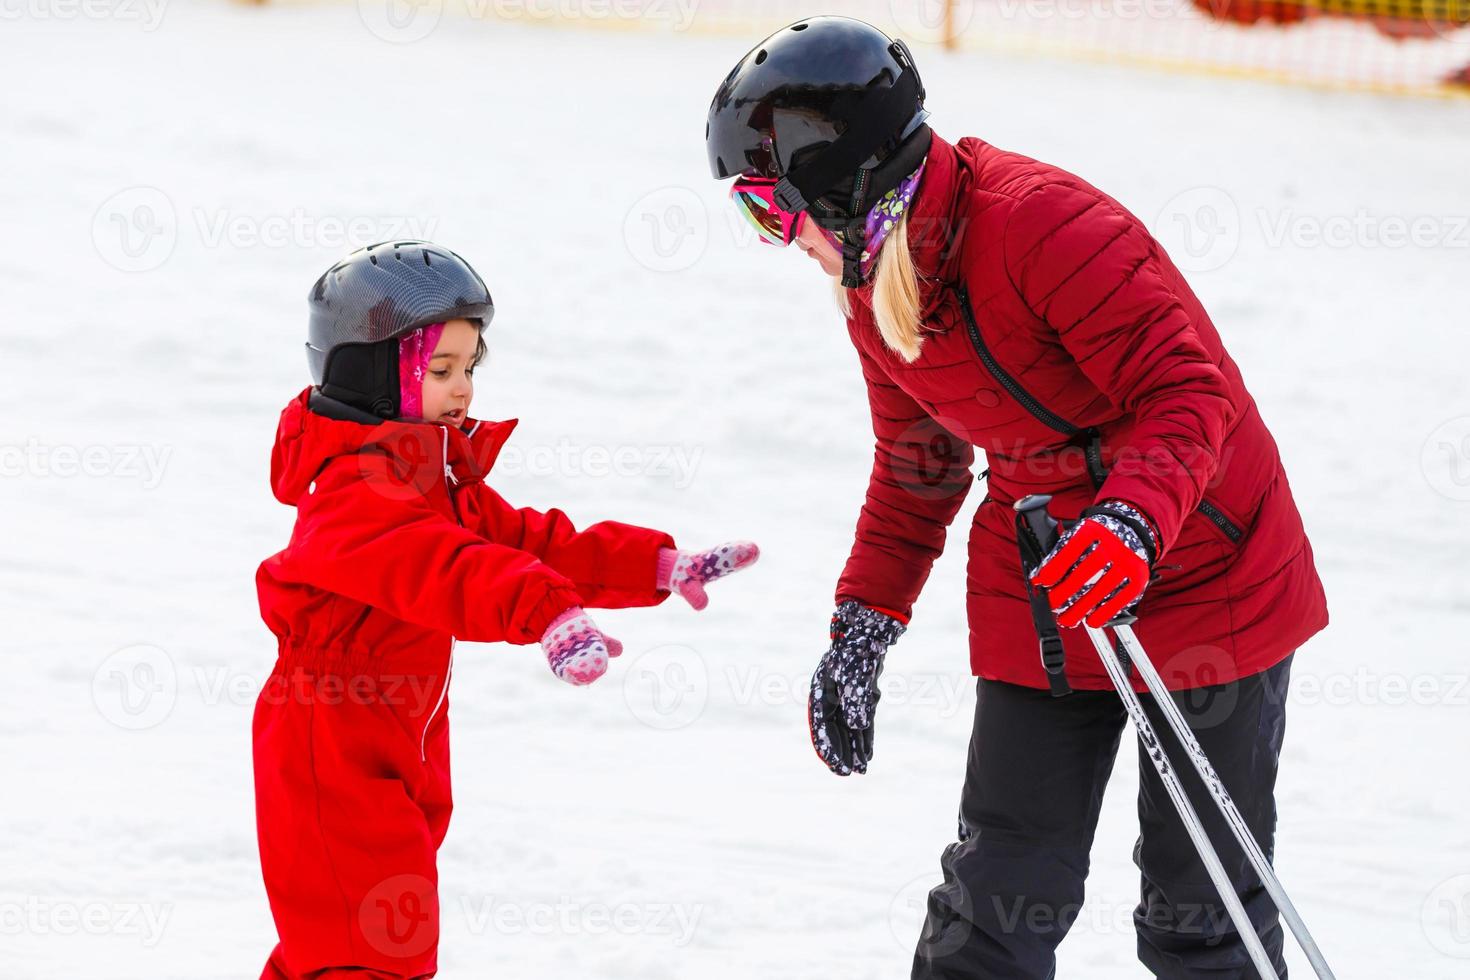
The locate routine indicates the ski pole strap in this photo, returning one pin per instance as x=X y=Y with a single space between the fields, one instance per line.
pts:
x=1124 y=661
x=1053 y=654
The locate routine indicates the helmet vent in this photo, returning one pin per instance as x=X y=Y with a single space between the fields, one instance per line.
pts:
x=760 y=59
x=425 y=254
x=372 y=258
x=800 y=27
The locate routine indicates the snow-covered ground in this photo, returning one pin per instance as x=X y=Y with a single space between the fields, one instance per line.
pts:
x=168 y=195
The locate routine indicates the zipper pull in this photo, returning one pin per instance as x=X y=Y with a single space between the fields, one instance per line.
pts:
x=449 y=476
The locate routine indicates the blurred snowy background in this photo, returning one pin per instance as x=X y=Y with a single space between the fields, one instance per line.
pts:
x=176 y=175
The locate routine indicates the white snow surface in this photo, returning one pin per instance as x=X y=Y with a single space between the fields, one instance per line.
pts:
x=671 y=820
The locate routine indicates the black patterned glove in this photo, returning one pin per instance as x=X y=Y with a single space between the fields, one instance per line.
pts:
x=844 y=691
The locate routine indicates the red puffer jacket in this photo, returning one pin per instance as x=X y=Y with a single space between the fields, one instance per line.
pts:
x=1061 y=340
x=400 y=545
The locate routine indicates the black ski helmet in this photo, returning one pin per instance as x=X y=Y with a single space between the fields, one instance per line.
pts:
x=833 y=109
x=364 y=303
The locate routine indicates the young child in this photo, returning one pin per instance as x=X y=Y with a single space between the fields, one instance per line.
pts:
x=400 y=547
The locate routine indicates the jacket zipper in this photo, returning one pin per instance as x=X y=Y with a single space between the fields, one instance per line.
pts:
x=449 y=481
x=1216 y=517
x=1055 y=421
x=1039 y=411
x=443 y=693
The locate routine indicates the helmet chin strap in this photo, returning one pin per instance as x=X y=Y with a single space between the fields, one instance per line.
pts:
x=870 y=185
x=852 y=254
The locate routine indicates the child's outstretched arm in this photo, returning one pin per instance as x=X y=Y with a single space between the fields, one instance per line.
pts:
x=359 y=534
x=613 y=565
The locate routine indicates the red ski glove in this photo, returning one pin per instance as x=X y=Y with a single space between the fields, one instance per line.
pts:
x=1100 y=567
x=688 y=572
x=576 y=649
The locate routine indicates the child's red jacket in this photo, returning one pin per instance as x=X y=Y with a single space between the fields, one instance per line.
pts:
x=399 y=544
x=399 y=548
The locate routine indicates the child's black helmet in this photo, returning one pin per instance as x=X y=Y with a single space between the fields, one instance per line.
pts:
x=374 y=296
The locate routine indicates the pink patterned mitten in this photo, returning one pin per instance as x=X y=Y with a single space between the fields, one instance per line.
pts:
x=576 y=649
x=688 y=572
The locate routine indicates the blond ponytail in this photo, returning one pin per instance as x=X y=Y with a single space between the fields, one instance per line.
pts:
x=896 y=305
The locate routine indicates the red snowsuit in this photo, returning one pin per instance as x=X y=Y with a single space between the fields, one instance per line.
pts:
x=1064 y=342
x=399 y=548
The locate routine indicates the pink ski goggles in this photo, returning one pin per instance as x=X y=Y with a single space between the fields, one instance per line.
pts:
x=755 y=197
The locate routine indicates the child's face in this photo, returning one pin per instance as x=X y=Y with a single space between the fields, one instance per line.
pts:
x=449 y=381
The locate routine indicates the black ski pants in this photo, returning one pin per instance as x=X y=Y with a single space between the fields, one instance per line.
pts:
x=1013 y=882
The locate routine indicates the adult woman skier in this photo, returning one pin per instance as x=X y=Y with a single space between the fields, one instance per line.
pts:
x=1002 y=303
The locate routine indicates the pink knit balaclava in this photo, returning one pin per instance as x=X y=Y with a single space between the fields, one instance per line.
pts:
x=414 y=351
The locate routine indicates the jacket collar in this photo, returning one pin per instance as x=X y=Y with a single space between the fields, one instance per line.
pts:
x=937 y=222
x=315 y=429
x=938 y=215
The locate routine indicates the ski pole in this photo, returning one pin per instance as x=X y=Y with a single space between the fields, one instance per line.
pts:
x=1045 y=528
x=1222 y=797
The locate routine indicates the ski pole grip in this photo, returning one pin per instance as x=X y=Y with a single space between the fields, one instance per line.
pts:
x=1041 y=524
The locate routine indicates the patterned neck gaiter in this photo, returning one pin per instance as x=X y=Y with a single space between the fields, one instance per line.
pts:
x=884 y=218
x=414 y=351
